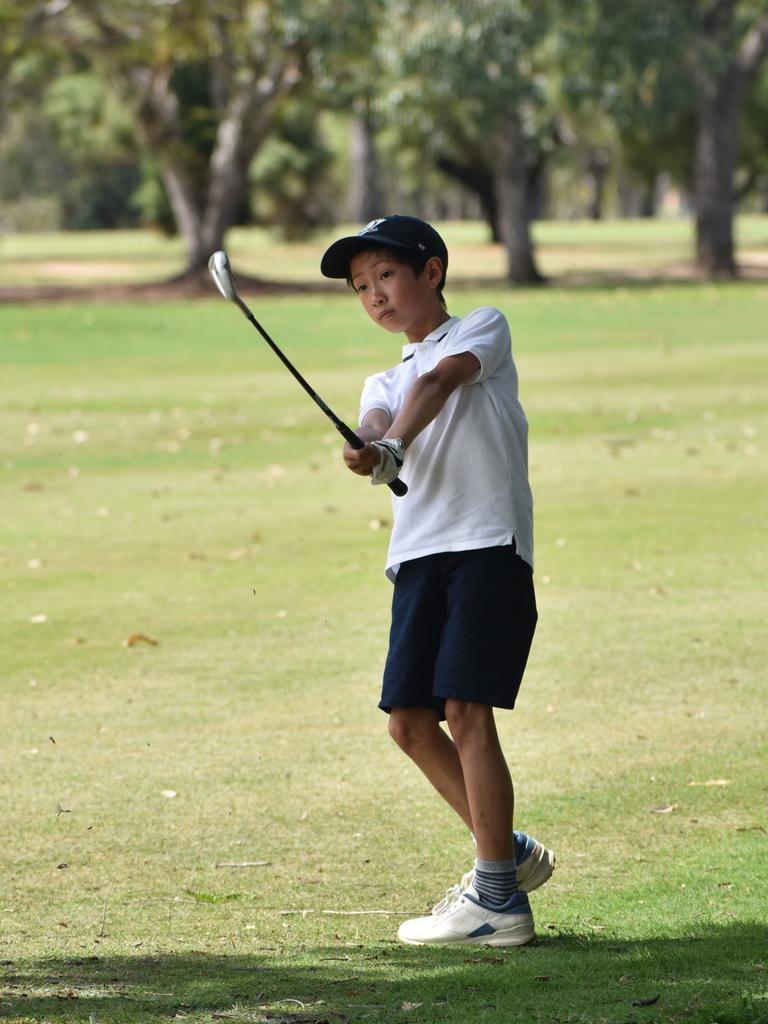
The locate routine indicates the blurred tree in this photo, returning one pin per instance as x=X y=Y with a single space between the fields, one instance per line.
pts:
x=65 y=141
x=753 y=159
x=349 y=79
x=291 y=173
x=728 y=46
x=675 y=77
x=204 y=80
x=469 y=77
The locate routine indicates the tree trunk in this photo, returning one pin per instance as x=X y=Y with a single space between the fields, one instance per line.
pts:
x=648 y=197
x=512 y=192
x=717 y=137
x=366 y=200
x=721 y=85
x=597 y=172
x=205 y=210
x=478 y=178
x=237 y=140
x=187 y=212
x=538 y=189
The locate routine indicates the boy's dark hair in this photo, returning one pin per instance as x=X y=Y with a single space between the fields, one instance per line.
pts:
x=415 y=260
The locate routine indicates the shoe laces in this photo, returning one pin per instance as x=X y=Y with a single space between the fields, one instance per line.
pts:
x=454 y=893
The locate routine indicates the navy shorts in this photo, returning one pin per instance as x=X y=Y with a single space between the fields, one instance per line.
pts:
x=462 y=626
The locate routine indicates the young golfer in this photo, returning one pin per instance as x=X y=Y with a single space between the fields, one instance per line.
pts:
x=460 y=556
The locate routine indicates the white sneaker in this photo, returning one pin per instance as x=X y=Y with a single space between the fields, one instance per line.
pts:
x=535 y=863
x=534 y=867
x=464 y=919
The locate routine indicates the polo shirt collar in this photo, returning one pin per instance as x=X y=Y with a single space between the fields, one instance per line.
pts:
x=433 y=337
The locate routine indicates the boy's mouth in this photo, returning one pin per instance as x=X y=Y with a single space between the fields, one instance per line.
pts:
x=385 y=313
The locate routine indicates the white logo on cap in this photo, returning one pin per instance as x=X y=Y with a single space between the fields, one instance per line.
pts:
x=372 y=226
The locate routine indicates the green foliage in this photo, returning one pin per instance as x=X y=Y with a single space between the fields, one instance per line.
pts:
x=454 y=68
x=75 y=142
x=292 y=188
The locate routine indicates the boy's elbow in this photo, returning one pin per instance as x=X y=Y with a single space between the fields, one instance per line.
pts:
x=438 y=385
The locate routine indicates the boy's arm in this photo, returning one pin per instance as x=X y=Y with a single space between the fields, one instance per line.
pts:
x=374 y=426
x=424 y=401
x=429 y=394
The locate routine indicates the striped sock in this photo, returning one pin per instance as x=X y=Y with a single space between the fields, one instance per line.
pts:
x=495 y=881
x=523 y=846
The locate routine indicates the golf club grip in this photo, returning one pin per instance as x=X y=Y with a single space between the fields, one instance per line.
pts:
x=397 y=486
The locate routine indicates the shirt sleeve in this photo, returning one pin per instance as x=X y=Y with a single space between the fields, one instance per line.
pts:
x=485 y=333
x=377 y=394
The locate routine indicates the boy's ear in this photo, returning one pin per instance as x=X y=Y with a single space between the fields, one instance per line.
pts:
x=434 y=269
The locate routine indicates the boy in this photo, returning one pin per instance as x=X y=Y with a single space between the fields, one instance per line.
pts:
x=460 y=557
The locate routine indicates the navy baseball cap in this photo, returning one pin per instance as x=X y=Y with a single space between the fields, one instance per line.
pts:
x=396 y=232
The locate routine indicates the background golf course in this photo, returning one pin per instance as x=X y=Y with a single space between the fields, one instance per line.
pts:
x=202 y=815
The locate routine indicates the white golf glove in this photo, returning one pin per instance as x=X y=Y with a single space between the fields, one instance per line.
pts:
x=391 y=455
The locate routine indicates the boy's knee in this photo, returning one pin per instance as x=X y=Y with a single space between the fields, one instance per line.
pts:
x=466 y=720
x=410 y=727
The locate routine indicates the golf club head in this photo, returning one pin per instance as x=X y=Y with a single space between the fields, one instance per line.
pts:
x=221 y=272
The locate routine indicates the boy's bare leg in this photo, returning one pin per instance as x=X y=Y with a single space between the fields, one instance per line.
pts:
x=417 y=732
x=486 y=777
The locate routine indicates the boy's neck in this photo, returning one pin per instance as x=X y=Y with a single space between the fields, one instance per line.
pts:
x=418 y=335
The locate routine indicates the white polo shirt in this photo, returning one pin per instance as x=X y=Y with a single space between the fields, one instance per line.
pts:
x=467 y=471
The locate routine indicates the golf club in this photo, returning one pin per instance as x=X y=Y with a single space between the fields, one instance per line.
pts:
x=221 y=272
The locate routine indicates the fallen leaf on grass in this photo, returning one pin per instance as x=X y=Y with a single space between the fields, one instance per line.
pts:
x=139 y=638
x=213 y=897
x=664 y=808
x=541 y=977
x=411 y=1006
x=243 y=864
x=646 y=1002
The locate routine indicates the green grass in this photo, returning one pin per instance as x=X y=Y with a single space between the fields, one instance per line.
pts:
x=161 y=475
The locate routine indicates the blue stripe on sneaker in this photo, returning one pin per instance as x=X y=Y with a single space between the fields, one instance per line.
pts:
x=484 y=929
x=517 y=904
x=524 y=846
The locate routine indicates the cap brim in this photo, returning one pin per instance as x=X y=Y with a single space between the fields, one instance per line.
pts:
x=335 y=262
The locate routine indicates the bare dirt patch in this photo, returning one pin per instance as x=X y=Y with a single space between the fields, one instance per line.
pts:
x=197 y=286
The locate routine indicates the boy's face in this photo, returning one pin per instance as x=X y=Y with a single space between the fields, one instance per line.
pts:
x=394 y=297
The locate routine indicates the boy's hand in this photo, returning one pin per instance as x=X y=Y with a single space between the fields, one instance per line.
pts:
x=381 y=460
x=392 y=453
x=361 y=460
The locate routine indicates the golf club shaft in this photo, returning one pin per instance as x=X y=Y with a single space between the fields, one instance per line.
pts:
x=397 y=486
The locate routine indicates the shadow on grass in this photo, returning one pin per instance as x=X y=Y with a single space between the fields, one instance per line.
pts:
x=716 y=976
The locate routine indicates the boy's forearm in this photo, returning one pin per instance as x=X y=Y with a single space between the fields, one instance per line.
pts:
x=422 y=404
x=369 y=433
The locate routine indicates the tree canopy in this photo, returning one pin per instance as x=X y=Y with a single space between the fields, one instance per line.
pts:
x=204 y=113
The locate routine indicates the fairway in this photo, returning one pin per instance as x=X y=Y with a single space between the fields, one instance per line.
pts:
x=203 y=816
